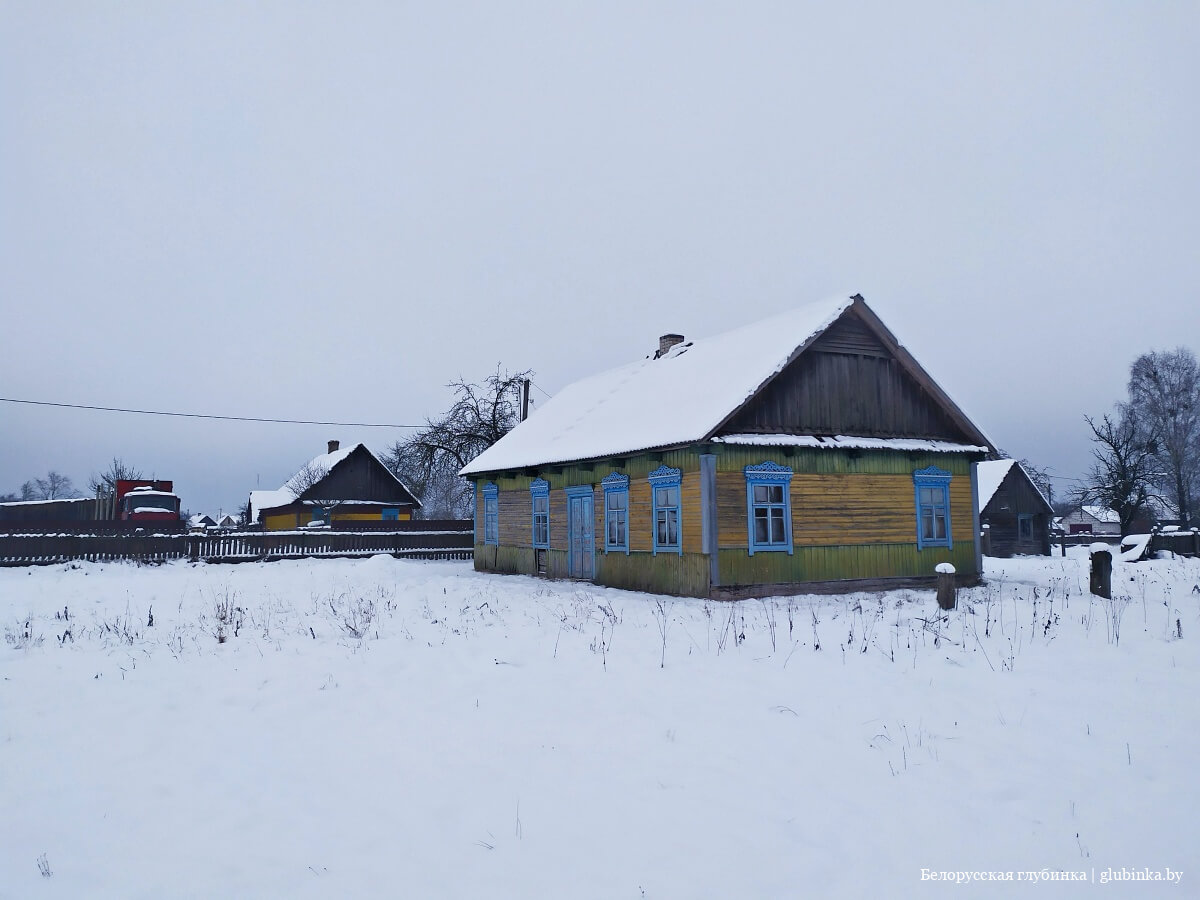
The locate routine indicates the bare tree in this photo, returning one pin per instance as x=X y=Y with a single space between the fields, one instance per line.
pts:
x=430 y=460
x=311 y=475
x=55 y=486
x=104 y=484
x=1164 y=388
x=1126 y=470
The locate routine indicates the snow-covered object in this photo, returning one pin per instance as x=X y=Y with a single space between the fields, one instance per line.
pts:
x=37 y=502
x=945 y=569
x=1099 y=547
x=1133 y=547
x=680 y=398
x=1102 y=514
x=992 y=472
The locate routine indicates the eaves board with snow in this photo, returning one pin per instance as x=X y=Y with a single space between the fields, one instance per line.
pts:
x=353 y=477
x=830 y=368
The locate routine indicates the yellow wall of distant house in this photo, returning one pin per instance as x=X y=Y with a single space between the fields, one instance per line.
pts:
x=292 y=518
x=285 y=521
x=375 y=516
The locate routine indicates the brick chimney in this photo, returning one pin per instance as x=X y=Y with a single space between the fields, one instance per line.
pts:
x=333 y=446
x=666 y=342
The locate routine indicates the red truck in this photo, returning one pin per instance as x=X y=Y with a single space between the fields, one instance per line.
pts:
x=144 y=500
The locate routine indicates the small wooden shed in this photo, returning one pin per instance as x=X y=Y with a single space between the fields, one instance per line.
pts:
x=1012 y=508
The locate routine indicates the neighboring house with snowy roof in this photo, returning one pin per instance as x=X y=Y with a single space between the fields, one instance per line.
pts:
x=201 y=521
x=807 y=449
x=1016 y=513
x=1092 y=520
x=342 y=488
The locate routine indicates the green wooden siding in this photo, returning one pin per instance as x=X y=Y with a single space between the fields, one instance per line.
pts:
x=666 y=573
x=831 y=558
x=839 y=563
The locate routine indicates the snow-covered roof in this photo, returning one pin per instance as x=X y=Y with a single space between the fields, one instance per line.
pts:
x=1102 y=514
x=677 y=399
x=36 y=502
x=303 y=479
x=990 y=474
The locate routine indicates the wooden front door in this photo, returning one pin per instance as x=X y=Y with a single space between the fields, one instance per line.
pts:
x=581 y=537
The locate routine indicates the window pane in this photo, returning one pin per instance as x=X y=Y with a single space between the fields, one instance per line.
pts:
x=775 y=493
x=673 y=528
x=617 y=500
x=777 y=531
x=760 y=493
x=760 y=527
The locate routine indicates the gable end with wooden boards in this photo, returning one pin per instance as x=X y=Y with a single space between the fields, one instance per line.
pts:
x=810 y=452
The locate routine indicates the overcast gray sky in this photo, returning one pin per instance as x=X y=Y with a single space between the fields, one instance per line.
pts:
x=329 y=211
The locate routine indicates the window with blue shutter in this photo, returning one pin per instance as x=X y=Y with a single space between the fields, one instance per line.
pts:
x=932 y=489
x=665 y=487
x=491 y=514
x=768 y=507
x=539 y=491
x=616 y=512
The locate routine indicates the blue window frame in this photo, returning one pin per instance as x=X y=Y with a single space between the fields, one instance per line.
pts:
x=768 y=507
x=391 y=514
x=664 y=487
x=932 y=489
x=616 y=512
x=491 y=514
x=539 y=491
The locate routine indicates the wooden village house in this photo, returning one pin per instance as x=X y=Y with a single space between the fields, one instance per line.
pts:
x=806 y=452
x=341 y=488
x=1014 y=513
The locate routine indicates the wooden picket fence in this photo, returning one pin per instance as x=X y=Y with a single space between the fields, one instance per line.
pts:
x=446 y=539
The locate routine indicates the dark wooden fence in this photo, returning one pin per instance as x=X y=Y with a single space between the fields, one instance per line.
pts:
x=452 y=539
x=91 y=527
x=1185 y=543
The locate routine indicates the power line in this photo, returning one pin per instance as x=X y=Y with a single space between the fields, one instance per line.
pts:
x=183 y=415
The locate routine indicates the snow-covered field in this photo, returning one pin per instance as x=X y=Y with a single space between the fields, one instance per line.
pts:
x=385 y=728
